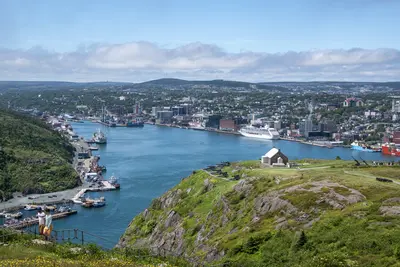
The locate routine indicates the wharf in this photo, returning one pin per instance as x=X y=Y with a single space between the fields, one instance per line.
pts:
x=35 y=221
x=196 y=129
x=320 y=144
x=106 y=187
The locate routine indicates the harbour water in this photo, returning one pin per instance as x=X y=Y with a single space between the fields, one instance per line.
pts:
x=150 y=160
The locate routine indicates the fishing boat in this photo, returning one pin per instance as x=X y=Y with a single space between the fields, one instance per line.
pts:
x=360 y=146
x=63 y=209
x=16 y=215
x=114 y=182
x=391 y=149
x=99 y=203
x=94 y=203
x=99 y=137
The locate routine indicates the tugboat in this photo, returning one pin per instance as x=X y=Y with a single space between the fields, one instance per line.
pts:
x=360 y=146
x=99 y=137
x=391 y=149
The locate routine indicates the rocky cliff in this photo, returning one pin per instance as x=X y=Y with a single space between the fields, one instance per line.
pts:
x=327 y=213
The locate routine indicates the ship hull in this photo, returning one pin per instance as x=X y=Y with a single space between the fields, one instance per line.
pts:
x=359 y=148
x=259 y=136
x=390 y=151
x=130 y=125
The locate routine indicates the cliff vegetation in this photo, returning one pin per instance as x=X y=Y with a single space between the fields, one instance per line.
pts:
x=326 y=213
x=33 y=157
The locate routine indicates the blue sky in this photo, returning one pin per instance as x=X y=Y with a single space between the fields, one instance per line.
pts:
x=62 y=28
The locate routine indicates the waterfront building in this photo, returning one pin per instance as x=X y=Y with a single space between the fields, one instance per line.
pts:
x=164 y=116
x=308 y=126
x=212 y=121
x=228 y=125
x=154 y=111
x=278 y=125
x=274 y=157
x=396 y=137
x=178 y=110
x=186 y=109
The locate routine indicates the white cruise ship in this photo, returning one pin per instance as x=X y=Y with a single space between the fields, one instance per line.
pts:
x=261 y=133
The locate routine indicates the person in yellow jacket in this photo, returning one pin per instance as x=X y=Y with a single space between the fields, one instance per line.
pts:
x=49 y=225
x=41 y=216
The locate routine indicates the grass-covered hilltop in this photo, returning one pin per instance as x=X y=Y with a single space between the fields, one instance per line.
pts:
x=324 y=213
x=33 y=157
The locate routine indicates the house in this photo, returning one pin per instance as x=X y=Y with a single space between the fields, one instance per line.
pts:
x=353 y=102
x=274 y=157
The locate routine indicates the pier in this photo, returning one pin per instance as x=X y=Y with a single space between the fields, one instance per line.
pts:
x=25 y=223
x=106 y=187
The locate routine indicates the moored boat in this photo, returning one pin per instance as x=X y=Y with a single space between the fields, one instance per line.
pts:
x=135 y=122
x=391 y=149
x=94 y=203
x=360 y=146
x=265 y=132
x=114 y=182
x=99 y=137
x=31 y=207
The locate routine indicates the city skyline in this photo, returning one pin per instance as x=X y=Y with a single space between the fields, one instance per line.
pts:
x=255 y=42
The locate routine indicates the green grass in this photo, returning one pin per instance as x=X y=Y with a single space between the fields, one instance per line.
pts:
x=357 y=235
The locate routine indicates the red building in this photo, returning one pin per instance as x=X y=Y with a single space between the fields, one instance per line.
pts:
x=227 y=125
x=396 y=137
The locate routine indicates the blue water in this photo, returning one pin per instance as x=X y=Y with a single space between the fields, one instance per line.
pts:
x=150 y=160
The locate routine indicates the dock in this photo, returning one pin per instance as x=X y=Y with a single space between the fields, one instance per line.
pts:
x=23 y=224
x=107 y=187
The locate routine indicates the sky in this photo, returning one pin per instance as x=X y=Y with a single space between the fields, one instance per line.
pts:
x=257 y=41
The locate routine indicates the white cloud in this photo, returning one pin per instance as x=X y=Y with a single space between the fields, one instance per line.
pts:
x=139 y=61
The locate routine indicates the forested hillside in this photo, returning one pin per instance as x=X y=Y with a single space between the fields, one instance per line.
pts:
x=33 y=157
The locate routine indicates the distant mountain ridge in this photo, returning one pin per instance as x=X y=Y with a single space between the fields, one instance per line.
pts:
x=214 y=83
x=170 y=82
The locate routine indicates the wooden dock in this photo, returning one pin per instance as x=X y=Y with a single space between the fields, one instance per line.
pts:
x=24 y=224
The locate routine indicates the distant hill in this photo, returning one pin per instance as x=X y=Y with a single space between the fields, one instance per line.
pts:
x=53 y=85
x=212 y=83
x=33 y=157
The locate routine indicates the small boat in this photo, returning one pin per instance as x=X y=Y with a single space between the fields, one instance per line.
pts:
x=63 y=209
x=17 y=215
x=51 y=208
x=87 y=204
x=31 y=207
x=114 y=181
x=94 y=203
x=93 y=148
x=99 y=203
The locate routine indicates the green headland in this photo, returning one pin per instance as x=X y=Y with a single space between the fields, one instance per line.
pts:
x=323 y=213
